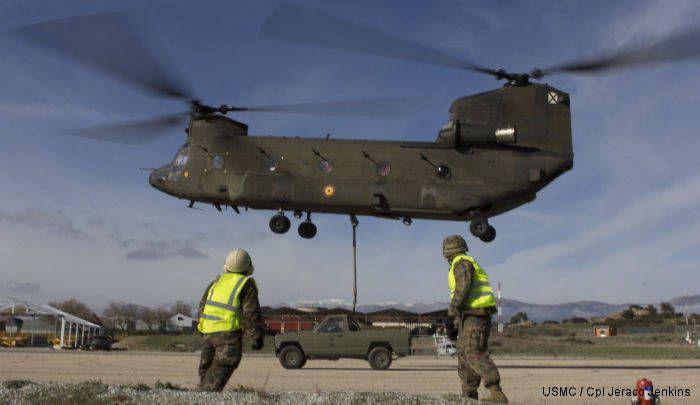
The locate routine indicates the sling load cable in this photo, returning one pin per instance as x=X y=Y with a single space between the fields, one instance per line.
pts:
x=354 y=222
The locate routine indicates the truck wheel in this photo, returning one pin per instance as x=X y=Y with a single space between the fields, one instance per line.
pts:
x=291 y=357
x=380 y=358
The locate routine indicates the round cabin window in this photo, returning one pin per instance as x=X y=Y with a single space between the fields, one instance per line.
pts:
x=383 y=169
x=271 y=164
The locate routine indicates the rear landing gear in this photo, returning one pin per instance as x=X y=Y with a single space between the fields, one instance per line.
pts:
x=279 y=223
x=480 y=228
x=307 y=229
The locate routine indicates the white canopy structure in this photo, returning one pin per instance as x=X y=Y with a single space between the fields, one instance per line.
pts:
x=73 y=331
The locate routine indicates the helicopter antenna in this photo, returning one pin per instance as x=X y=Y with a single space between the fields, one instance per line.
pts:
x=368 y=157
x=422 y=156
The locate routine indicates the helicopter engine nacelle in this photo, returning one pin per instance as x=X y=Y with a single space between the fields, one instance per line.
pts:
x=533 y=116
x=464 y=135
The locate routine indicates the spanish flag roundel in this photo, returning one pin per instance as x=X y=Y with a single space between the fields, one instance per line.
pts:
x=328 y=190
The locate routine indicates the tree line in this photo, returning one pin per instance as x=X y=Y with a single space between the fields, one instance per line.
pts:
x=122 y=316
x=650 y=312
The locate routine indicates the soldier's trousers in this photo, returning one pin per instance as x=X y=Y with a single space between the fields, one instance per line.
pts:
x=221 y=354
x=474 y=361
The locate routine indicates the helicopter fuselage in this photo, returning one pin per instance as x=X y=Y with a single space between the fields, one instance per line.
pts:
x=498 y=149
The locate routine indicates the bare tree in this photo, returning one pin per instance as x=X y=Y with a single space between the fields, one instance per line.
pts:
x=148 y=317
x=73 y=307
x=121 y=315
x=156 y=318
x=181 y=307
x=163 y=314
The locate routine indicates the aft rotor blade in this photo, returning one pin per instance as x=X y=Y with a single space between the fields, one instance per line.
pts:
x=132 y=133
x=389 y=107
x=109 y=42
x=302 y=25
x=683 y=45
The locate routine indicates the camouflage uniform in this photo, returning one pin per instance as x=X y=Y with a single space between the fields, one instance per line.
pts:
x=221 y=351
x=473 y=324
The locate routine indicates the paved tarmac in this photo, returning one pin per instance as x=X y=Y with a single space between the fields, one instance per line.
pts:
x=535 y=380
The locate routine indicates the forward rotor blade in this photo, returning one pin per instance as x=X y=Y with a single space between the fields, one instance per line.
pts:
x=683 y=45
x=132 y=133
x=107 y=42
x=302 y=25
x=389 y=107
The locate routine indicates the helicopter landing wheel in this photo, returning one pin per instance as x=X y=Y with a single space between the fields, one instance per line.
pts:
x=490 y=235
x=307 y=230
x=279 y=223
x=479 y=227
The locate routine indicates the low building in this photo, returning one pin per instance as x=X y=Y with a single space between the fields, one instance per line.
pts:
x=182 y=323
x=604 y=331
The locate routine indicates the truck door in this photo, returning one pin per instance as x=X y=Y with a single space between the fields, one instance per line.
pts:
x=356 y=341
x=329 y=338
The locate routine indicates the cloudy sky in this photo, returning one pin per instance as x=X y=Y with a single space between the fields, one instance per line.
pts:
x=79 y=220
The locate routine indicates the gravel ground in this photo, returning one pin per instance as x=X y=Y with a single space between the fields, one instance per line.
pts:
x=128 y=377
x=24 y=392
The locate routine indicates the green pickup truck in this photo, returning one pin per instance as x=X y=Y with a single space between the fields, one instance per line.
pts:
x=339 y=336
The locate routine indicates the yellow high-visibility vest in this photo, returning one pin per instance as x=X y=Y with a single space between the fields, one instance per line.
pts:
x=480 y=293
x=222 y=310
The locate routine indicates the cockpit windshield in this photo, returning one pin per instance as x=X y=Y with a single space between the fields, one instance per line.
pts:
x=179 y=163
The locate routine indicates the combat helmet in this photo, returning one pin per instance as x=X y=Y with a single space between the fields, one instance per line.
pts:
x=452 y=245
x=238 y=261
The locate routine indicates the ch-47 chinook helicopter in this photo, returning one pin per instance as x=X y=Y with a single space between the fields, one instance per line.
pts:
x=498 y=149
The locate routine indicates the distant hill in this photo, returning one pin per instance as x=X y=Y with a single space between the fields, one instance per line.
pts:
x=535 y=312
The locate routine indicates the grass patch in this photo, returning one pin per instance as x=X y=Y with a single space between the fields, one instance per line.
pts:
x=168 y=386
x=16 y=384
x=89 y=392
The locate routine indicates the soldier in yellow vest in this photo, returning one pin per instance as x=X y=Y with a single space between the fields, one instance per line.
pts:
x=231 y=298
x=469 y=320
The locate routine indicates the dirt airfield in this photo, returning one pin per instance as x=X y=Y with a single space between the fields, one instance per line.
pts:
x=533 y=380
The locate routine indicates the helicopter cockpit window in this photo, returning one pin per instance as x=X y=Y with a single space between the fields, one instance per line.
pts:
x=217 y=162
x=271 y=164
x=179 y=163
x=383 y=169
x=326 y=166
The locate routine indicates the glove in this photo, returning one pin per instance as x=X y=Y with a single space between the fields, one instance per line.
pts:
x=258 y=344
x=450 y=327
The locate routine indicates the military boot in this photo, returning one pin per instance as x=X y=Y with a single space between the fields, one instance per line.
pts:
x=497 y=395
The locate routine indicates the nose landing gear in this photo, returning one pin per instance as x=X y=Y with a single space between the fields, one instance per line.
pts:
x=480 y=228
